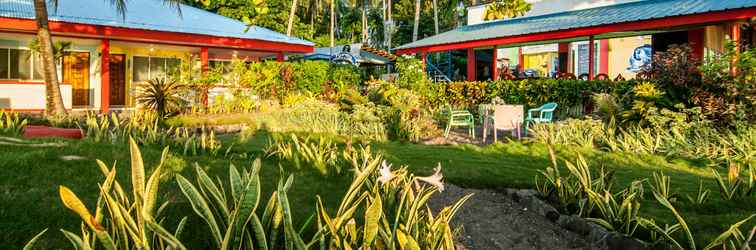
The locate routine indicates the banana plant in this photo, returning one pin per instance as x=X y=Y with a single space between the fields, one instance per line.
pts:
x=131 y=221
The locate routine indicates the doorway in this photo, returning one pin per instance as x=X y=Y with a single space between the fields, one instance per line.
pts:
x=76 y=73
x=117 y=79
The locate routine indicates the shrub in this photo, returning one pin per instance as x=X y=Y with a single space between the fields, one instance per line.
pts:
x=411 y=74
x=160 y=95
x=310 y=76
x=11 y=124
x=344 y=76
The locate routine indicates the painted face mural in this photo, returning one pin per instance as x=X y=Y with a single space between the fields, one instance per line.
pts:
x=641 y=56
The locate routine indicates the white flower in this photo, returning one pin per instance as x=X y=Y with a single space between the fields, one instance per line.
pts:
x=435 y=179
x=385 y=171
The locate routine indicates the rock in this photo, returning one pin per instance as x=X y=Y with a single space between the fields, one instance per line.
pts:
x=575 y=224
x=597 y=233
x=529 y=199
x=618 y=241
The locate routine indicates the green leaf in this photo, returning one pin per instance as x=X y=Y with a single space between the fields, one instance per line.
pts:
x=137 y=170
x=245 y=207
x=372 y=217
x=75 y=240
x=200 y=207
x=29 y=245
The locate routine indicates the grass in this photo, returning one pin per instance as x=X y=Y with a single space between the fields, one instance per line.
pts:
x=29 y=178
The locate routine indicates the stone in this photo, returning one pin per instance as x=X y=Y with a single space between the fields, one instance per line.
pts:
x=575 y=224
x=618 y=241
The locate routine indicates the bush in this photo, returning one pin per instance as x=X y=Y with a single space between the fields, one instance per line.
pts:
x=411 y=74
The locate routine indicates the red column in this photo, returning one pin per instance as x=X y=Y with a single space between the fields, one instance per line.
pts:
x=471 y=64
x=735 y=36
x=564 y=51
x=591 y=58
x=204 y=59
x=424 y=56
x=280 y=57
x=604 y=57
x=104 y=75
x=696 y=42
x=520 y=60
x=495 y=64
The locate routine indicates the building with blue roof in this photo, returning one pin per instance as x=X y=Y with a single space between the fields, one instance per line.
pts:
x=110 y=54
x=607 y=41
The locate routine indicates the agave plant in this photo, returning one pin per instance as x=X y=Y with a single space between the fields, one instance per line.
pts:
x=132 y=222
x=160 y=95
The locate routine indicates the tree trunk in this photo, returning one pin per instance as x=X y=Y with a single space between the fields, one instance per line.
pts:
x=435 y=15
x=364 y=22
x=53 y=98
x=291 y=17
x=391 y=25
x=333 y=20
x=417 y=20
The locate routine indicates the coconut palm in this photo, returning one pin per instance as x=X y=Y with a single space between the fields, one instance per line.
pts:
x=292 y=13
x=416 y=24
x=53 y=98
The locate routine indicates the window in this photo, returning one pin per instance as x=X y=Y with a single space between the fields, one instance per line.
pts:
x=19 y=64
x=146 y=68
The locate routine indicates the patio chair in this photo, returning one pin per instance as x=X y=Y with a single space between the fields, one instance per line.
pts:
x=543 y=114
x=504 y=117
x=459 y=118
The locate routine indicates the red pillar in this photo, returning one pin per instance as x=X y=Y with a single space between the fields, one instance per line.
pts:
x=280 y=57
x=696 y=42
x=204 y=59
x=520 y=60
x=564 y=51
x=735 y=36
x=495 y=64
x=591 y=58
x=104 y=75
x=604 y=57
x=471 y=64
x=424 y=56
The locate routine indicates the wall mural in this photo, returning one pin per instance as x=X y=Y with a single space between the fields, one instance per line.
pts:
x=641 y=56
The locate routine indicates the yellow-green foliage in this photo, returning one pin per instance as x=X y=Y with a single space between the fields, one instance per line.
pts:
x=11 y=124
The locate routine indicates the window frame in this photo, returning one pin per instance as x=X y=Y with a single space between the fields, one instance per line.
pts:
x=149 y=65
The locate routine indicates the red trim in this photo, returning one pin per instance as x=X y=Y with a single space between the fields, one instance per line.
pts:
x=495 y=66
x=735 y=37
x=142 y=35
x=471 y=64
x=676 y=21
x=591 y=58
x=280 y=57
x=604 y=56
x=105 y=75
x=27 y=83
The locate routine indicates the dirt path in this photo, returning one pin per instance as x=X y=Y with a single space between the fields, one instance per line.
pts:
x=490 y=220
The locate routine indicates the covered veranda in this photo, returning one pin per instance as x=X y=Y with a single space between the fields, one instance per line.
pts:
x=699 y=23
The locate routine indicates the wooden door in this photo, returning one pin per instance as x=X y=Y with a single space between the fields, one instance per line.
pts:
x=76 y=73
x=117 y=80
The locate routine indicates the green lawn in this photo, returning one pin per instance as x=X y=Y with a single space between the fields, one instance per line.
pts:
x=29 y=178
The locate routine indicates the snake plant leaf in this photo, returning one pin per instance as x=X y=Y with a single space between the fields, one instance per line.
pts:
x=150 y=198
x=164 y=234
x=200 y=207
x=257 y=228
x=664 y=202
x=218 y=198
x=372 y=217
x=30 y=244
x=75 y=240
x=291 y=234
x=137 y=170
x=246 y=206
x=236 y=182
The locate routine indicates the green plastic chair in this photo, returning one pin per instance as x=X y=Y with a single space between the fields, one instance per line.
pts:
x=459 y=118
x=542 y=114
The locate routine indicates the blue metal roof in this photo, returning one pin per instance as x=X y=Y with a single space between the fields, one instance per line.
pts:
x=148 y=15
x=619 y=13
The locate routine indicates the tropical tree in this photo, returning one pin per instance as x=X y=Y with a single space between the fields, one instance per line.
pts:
x=416 y=24
x=53 y=98
x=292 y=13
x=506 y=8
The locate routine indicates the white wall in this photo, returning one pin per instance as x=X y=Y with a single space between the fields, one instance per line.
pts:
x=29 y=96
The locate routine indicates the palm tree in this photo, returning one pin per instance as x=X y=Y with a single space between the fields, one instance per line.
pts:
x=435 y=15
x=417 y=20
x=292 y=12
x=333 y=20
x=54 y=100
